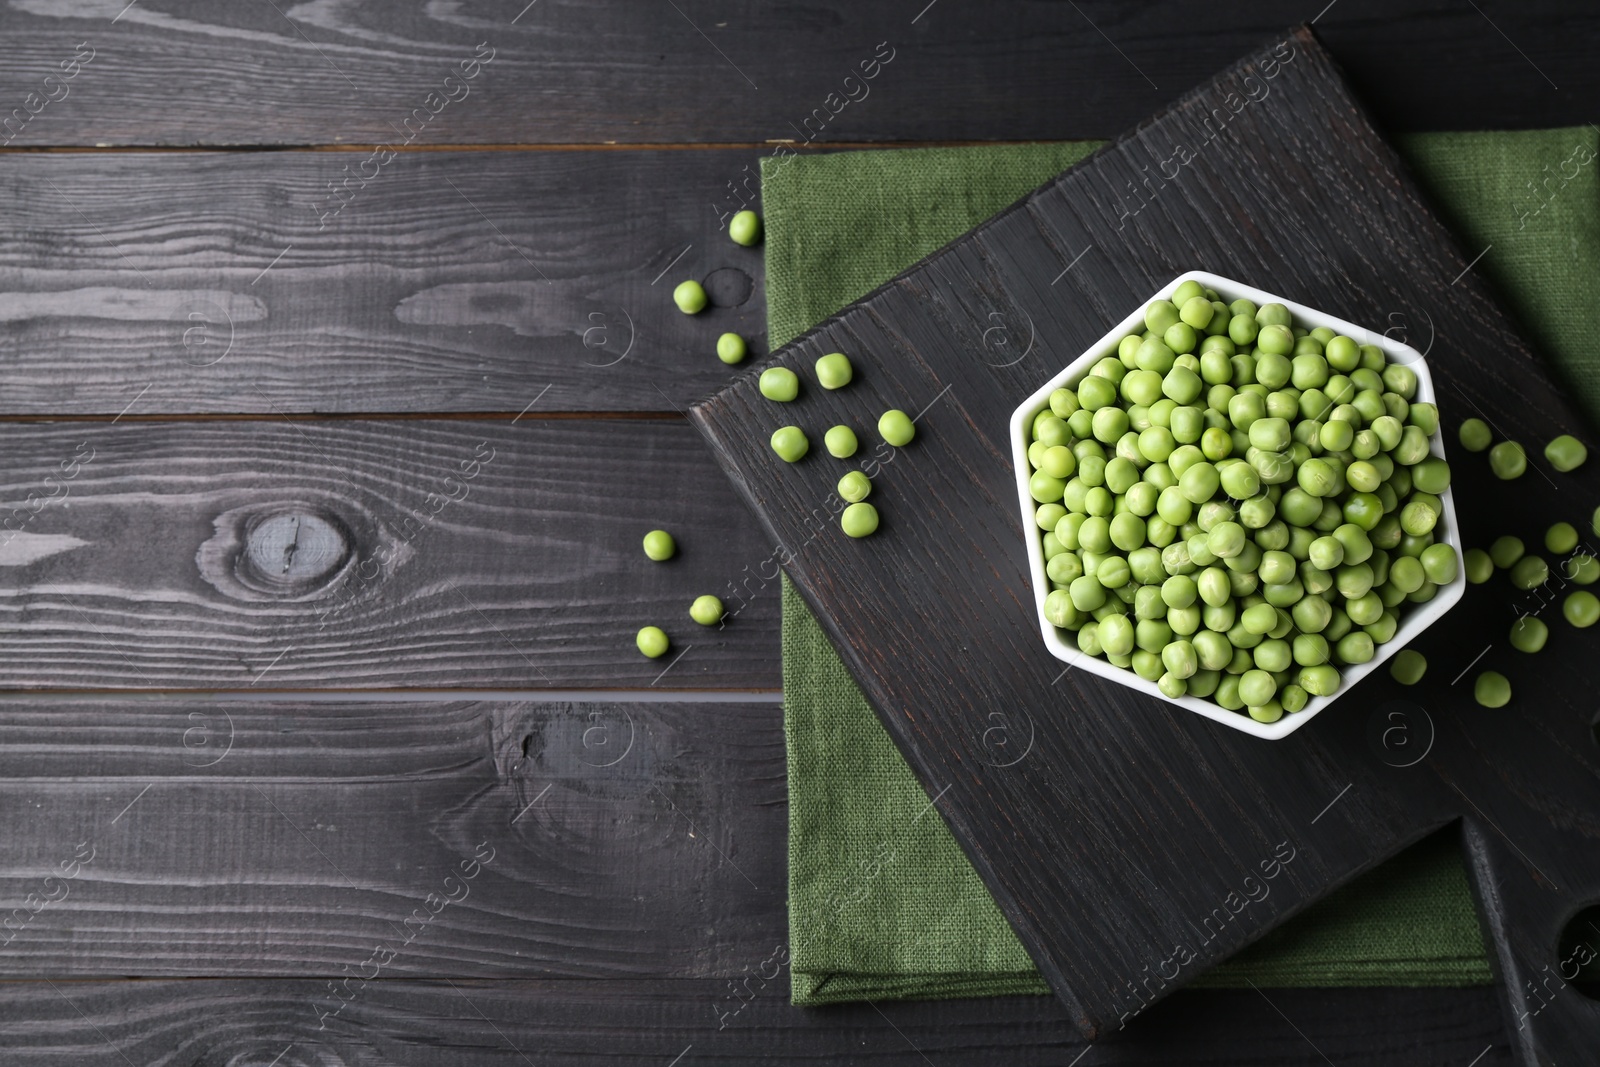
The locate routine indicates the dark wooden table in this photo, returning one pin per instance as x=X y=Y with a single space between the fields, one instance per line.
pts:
x=340 y=382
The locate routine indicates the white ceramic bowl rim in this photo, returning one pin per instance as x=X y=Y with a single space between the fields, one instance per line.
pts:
x=1416 y=619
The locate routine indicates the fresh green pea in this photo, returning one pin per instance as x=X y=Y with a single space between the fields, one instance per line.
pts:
x=1311 y=614
x=1475 y=435
x=1204 y=683
x=745 y=228
x=1273 y=655
x=1259 y=619
x=1116 y=635
x=1582 y=568
x=1407 y=575
x=1059 y=610
x=1425 y=417
x=841 y=443
x=659 y=545
x=1179 y=659
x=1355 y=648
x=1528 y=634
x=1413 y=447
x=1127 y=531
x=1063 y=402
x=652 y=641
x=690 y=297
x=1561 y=538
x=1505 y=551
x=1271 y=711
x=895 y=427
x=706 y=610
x=1566 y=453
x=1581 y=608
x=1181 y=337
x=1363 y=510
x=1048 y=430
x=1529 y=572
x=1492 y=689
x=1343 y=353
x=856 y=487
x=1319 y=681
x=834 y=371
x=731 y=348
x=1357 y=548
x=1159 y=315
x=1256 y=687
x=783 y=385
x=1431 y=475
x=1508 y=460
x=860 y=519
x=1408 y=667
x=1417 y=518
x=1478 y=565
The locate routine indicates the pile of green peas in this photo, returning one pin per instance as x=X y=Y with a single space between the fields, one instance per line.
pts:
x=1234 y=507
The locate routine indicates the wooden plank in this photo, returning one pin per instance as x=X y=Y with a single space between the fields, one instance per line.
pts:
x=713 y=71
x=440 y=839
x=320 y=282
x=468 y=1023
x=1121 y=845
x=476 y=554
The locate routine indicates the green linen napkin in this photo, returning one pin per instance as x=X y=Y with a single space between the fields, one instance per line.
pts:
x=882 y=903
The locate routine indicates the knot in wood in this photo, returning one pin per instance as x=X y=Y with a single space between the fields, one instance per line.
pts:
x=728 y=287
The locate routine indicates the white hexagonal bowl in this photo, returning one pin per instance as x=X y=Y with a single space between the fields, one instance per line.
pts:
x=1417 y=618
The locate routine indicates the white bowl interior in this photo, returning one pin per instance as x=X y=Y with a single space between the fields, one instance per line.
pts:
x=1418 y=617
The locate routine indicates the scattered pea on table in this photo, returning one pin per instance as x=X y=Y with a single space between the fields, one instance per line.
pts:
x=856 y=487
x=1508 y=460
x=1528 y=634
x=731 y=348
x=706 y=610
x=834 y=370
x=1561 y=538
x=895 y=427
x=1581 y=568
x=659 y=545
x=1505 y=551
x=652 y=641
x=790 y=443
x=780 y=384
x=1566 y=453
x=859 y=519
x=1408 y=666
x=1475 y=435
x=690 y=296
x=1478 y=565
x=745 y=228
x=1492 y=689
x=840 y=442
x=1530 y=572
x=1581 y=609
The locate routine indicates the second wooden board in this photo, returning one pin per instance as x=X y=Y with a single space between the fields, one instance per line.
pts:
x=1133 y=844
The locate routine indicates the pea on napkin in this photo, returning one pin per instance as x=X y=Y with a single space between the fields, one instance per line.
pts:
x=882 y=902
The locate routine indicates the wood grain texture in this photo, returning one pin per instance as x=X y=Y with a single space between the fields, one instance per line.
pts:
x=1124 y=844
x=351 y=841
x=335 y=282
x=468 y=1023
x=381 y=554
x=185 y=72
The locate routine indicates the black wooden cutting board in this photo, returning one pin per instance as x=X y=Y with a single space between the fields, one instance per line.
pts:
x=1134 y=844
